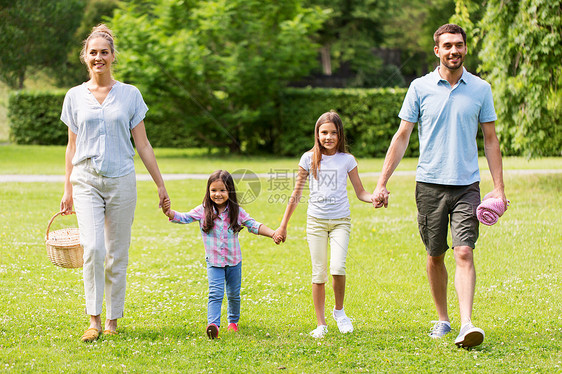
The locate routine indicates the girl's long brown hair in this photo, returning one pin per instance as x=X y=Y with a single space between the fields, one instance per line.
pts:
x=318 y=149
x=210 y=208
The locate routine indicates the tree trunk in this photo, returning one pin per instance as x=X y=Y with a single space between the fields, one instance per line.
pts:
x=234 y=146
x=326 y=60
x=21 y=79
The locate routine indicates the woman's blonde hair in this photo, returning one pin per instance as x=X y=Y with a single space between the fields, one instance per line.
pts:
x=100 y=31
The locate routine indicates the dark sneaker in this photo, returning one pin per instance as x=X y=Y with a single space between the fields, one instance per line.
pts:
x=469 y=336
x=212 y=331
x=439 y=330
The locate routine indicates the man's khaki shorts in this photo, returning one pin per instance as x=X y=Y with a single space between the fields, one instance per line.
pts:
x=438 y=205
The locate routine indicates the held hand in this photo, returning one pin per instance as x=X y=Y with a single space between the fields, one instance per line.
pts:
x=162 y=195
x=166 y=205
x=498 y=193
x=66 y=204
x=171 y=214
x=277 y=239
x=280 y=235
x=380 y=197
x=166 y=208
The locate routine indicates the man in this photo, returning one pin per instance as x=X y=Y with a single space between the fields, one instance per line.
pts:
x=448 y=104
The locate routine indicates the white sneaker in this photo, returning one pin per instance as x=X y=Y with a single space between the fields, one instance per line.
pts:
x=319 y=332
x=344 y=323
x=469 y=336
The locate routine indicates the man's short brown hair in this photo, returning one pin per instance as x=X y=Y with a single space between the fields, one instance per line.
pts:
x=449 y=28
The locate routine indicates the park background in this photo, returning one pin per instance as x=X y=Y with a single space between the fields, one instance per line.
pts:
x=238 y=85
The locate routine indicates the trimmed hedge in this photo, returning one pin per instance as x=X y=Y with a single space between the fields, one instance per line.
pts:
x=35 y=118
x=369 y=116
x=370 y=119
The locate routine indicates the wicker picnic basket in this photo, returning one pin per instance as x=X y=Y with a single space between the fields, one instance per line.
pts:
x=63 y=246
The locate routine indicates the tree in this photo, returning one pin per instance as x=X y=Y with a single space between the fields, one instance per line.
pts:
x=468 y=15
x=212 y=70
x=35 y=34
x=521 y=57
x=73 y=72
x=353 y=29
x=409 y=26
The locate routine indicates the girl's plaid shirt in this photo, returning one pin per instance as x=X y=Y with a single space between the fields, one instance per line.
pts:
x=222 y=247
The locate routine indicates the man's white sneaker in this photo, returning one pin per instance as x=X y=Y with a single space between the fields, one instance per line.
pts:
x=319 y=332
x=469 y=336
x=344 y=323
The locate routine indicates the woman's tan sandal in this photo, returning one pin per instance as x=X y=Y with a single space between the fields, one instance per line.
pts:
x=90 y=335
x=110 y=332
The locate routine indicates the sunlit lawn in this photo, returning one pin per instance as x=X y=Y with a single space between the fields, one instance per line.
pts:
x=17 y=159
x=517 y=298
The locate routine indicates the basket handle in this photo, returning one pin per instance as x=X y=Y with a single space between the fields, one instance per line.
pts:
x=51 y=221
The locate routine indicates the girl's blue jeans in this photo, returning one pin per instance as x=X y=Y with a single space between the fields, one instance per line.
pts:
x=231 y=276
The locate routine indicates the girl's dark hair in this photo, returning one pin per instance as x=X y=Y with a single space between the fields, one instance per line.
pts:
x=317 y=150
x=211 y=210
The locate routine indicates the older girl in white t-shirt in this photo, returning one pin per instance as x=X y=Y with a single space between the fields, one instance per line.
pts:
x=328 y=215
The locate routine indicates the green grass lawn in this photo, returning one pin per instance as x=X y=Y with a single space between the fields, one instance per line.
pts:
x=517 y=299
x=23 y=159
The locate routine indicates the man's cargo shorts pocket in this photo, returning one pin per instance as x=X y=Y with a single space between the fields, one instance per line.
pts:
x=422 y=226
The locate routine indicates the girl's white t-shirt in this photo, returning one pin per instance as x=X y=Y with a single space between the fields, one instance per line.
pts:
x=328 y=193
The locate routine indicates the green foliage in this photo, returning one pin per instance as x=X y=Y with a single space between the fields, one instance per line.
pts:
x=369 y=115
x=521 y=57
x=468 y=14
x=73 y=72
x=4 y=128
x=370 y=118
x=35 y=118
x=35 y=34
x=212 y=70
x=352 y=21
x=410 y=26
x=351 y=32
x=382 y=76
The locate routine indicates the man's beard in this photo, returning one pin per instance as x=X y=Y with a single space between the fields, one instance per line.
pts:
x=452 y=66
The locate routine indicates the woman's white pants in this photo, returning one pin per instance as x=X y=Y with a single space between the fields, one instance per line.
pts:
x=105 y=209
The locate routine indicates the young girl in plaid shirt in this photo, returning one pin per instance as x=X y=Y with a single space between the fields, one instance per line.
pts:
x=221 y=219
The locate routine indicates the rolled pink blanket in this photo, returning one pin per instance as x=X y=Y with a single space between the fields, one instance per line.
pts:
x=490 y=210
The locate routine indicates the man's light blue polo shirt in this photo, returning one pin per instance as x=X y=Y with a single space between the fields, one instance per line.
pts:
x=448 y=121
x=103 y=131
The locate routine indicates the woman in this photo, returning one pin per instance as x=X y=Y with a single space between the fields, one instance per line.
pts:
x=101 y=114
